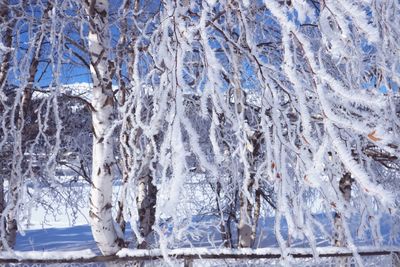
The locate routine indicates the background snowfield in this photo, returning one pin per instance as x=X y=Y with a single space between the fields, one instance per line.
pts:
x=80 y=237
x=68 y=230
x=53 y=239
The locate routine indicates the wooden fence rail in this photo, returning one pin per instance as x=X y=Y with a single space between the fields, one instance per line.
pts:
x=189 y=255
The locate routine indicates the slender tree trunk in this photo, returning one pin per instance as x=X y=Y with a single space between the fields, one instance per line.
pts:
x=2 y=201
x=146 y=201
x=345 y=188
x=245 y=222
x=257 y=210
x=101 y=219
x=245 y=219
x=146 y=191
x=222 y=225
x=7 y=42
x=4 y=68
x=9 y=225
x=249 y=214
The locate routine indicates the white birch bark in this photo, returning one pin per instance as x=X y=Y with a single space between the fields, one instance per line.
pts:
x=102 y=222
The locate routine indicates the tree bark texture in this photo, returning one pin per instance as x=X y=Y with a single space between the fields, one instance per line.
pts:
x=101 y=219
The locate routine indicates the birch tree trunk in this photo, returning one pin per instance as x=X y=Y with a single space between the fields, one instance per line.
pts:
x=102 y=223
x=146 y=201
x=245 y=222
x=250 y=208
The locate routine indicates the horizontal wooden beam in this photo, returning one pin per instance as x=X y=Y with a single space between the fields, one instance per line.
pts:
x=210 y=254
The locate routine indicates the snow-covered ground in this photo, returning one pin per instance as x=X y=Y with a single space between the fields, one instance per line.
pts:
x=60 y=234
x=52 y=239
x=65 y=234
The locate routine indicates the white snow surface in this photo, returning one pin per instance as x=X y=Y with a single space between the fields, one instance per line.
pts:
x=67 y=232
x=47 y=255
